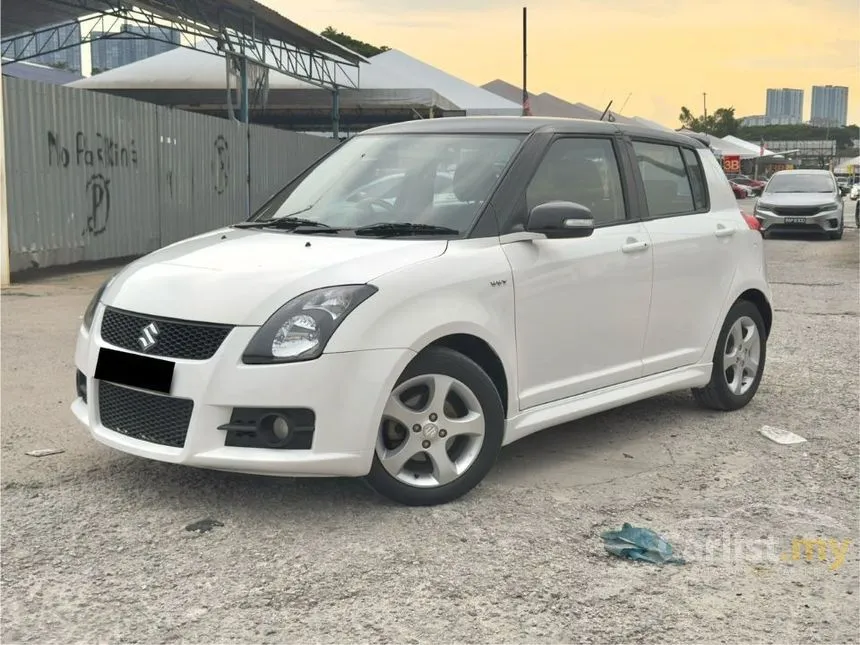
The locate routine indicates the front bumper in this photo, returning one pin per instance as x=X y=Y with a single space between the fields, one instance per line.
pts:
x=346 y=393
x=825 y=221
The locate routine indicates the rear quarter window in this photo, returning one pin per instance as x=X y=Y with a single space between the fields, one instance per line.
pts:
x=696 y=174
x=673 y=177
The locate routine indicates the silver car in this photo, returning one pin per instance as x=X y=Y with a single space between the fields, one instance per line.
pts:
x=801 y=201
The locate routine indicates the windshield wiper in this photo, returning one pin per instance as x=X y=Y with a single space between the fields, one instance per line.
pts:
x=404 y=228
x=284 y=222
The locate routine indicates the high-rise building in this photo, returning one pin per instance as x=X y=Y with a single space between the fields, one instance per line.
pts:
x=829 y=105
x=67 y=37
x=784 y=106
x=131 y=44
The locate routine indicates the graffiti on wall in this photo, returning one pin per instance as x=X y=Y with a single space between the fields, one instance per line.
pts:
x=99 y=152
x=221 y=164
x=98 y=212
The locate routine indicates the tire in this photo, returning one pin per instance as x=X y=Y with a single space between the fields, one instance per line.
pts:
x=718 y=394
x=837 y=234
x=418 y=459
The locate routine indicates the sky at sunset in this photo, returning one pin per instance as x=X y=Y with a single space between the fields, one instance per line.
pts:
x=664 y=53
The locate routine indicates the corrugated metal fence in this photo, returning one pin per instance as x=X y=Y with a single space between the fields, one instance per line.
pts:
x=93 y=177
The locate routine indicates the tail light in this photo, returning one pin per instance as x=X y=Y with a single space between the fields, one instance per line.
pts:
x=751 y=221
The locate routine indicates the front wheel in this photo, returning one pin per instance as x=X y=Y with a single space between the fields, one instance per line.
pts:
x=440 y=432
x=739 y=360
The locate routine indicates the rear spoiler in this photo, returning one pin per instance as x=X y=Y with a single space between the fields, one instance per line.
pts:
x=701 y=138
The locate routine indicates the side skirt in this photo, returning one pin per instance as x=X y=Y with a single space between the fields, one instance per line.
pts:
x=558 y=412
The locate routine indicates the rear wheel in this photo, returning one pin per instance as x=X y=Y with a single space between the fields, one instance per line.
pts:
x=440 y=432
x=739 y=360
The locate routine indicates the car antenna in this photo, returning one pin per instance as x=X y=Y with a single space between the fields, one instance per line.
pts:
x=611 y=118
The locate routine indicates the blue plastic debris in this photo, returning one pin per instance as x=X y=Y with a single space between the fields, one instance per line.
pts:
x=637 y=543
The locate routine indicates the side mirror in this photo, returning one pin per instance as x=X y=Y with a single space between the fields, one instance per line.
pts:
x=561 y=219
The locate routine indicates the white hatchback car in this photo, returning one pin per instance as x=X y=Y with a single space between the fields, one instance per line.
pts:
x=576 y=266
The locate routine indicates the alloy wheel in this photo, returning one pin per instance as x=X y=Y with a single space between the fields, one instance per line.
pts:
x=741 y=356
x=432 y=431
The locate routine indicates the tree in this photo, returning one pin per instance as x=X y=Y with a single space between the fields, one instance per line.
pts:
x=691 y=122
x=719 y=124
x=358 y=46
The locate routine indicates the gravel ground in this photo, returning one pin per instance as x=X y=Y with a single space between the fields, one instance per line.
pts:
x=95 y=546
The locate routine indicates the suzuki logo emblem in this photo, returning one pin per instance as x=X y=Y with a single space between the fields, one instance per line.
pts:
x=148 y=336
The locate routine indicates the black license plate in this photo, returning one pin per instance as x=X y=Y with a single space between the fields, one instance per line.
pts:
x=133 y=370
x=795 y=220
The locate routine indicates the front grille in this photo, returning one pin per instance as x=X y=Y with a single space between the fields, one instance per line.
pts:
x=149 y=417
x=173 y=338
x=797 y=211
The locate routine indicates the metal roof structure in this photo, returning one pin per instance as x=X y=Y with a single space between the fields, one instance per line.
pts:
x=394 y=87
x=41 y=73
x=243 y=29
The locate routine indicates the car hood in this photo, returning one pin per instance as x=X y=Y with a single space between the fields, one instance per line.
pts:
x=241 y=276
x=799 y=199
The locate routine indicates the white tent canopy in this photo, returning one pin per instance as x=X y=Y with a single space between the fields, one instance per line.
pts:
x=721 y=146
x=847 y=165
x=397 y=79
x=393 y=66
x=179 y=68
x=750 y=147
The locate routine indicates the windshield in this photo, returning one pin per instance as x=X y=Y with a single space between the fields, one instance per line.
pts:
x=800 y=183
x=432 y=179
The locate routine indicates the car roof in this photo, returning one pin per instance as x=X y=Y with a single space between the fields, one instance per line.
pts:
x=528 y=125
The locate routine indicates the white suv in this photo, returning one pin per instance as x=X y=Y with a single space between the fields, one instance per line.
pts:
x=568 y=267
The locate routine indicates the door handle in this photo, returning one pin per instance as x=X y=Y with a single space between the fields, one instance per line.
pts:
x=722 y=231
x=634 y=247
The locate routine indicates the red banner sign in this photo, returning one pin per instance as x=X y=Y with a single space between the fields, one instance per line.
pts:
x=732 y=163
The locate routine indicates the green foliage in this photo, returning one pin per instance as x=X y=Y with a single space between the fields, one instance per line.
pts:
x=723 y=122
x=801 y=132
x=359 y=47
x=719 y=124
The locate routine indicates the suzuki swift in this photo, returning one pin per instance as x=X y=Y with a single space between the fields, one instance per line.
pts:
x=427 y=293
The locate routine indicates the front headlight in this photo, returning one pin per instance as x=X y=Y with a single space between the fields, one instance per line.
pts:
x=90 y=312
x=300 y=330
x=763 y=207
